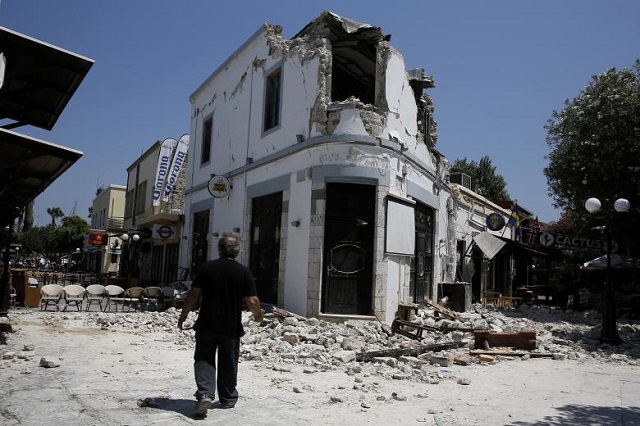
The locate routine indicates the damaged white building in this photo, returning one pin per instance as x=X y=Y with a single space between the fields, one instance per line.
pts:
x=320 y=152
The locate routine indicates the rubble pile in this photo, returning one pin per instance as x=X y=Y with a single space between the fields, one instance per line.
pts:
x=570 y=334
x=284 y=341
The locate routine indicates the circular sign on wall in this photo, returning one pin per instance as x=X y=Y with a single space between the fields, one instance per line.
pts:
x=219 y=186
x=495 y=221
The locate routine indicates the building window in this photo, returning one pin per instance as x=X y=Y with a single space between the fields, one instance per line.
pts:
x=129 y=204
x=272 y=100
x=207 y=132
x=141 y=195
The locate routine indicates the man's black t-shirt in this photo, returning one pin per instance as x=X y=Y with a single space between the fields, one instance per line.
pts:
x=224 y=282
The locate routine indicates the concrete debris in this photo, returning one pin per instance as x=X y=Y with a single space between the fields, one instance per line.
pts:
x=48 y=363
x=366 y=348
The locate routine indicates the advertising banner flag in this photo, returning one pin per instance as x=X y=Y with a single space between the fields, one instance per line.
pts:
x=164 y=161
x=179 y=159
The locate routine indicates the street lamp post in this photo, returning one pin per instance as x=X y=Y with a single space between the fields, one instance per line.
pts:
x=609 y=332
x=128 y=239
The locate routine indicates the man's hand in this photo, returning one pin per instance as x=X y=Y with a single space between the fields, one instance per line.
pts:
x=181 y=321
x=259 y=318
x=189 y=303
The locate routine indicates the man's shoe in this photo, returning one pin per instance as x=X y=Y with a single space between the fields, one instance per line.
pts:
x=227 y=404
x=202 y=407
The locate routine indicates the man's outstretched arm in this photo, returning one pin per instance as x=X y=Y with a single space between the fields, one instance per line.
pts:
x=189 y=303
x=253 y=303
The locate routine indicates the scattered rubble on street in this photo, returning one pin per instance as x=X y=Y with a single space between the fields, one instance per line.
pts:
x=354 y=345
x=360 y=368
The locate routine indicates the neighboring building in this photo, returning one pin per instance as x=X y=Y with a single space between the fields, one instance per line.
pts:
x=150 y=255
x=482 y=255
x=104 y=247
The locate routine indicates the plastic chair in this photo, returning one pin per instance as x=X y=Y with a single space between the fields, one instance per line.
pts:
x=151 y=296
x=134 y=297
x=74 y=295
x=168 y=293
x=114 y=294
x=50 y=294
x=95 y=293
x=13 y=295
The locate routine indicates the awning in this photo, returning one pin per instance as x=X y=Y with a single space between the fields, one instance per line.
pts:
x=39 y=80
x=489 y=244
x=27 y=167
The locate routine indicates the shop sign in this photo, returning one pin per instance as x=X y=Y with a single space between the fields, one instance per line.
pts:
x=568 y=242
x=495 y=221
x=163 y=232
x=219 y=186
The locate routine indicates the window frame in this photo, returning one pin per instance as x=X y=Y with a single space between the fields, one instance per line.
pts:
x=207 y=133
x=272 y=108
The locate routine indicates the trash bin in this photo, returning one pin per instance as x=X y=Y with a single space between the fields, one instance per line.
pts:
x=32 y=294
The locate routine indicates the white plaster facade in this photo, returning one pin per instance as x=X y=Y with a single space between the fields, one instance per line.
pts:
x=324 y=137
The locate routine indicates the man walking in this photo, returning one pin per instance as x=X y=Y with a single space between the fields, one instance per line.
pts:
x=221 y=286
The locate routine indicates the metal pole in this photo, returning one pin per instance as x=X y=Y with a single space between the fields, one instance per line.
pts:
x=609 y=332
x=4 y=283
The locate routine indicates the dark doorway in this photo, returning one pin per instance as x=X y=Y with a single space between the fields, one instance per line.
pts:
x=199 y=240
x=476 y=279
x=264 y=259
x=422 y=263
x=348 y=255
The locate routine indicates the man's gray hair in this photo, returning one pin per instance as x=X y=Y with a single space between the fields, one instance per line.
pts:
x=229 y=245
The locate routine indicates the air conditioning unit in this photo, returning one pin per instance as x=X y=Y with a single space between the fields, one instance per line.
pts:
x=461 y=179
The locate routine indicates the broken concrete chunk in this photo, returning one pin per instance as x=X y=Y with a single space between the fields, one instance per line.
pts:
x=48 y=363
x=487 y=359
x=442 y=359
x=291 y=338
x=290 y=321
x=345 y=356
x=462 y=359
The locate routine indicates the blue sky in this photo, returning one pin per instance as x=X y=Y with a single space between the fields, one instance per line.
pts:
x=500 y=67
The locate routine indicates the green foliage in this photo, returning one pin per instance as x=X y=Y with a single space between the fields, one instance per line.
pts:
x=34 y=241
x=484 y=179
x=54 y=242
x=595 y=144
x=71 y=234
x=55 y=213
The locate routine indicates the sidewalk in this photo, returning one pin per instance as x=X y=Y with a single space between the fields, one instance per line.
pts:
x=121 y=377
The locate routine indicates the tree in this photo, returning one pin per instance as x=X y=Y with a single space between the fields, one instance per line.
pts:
x=34 y=241
x=484 y=179
x=54 y=212
x=27 y=223
x=595 y=144
x=595 y=152
x=71 y=234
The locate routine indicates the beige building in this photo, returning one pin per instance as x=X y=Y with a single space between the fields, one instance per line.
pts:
x=150 y=253
x=104 y=246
